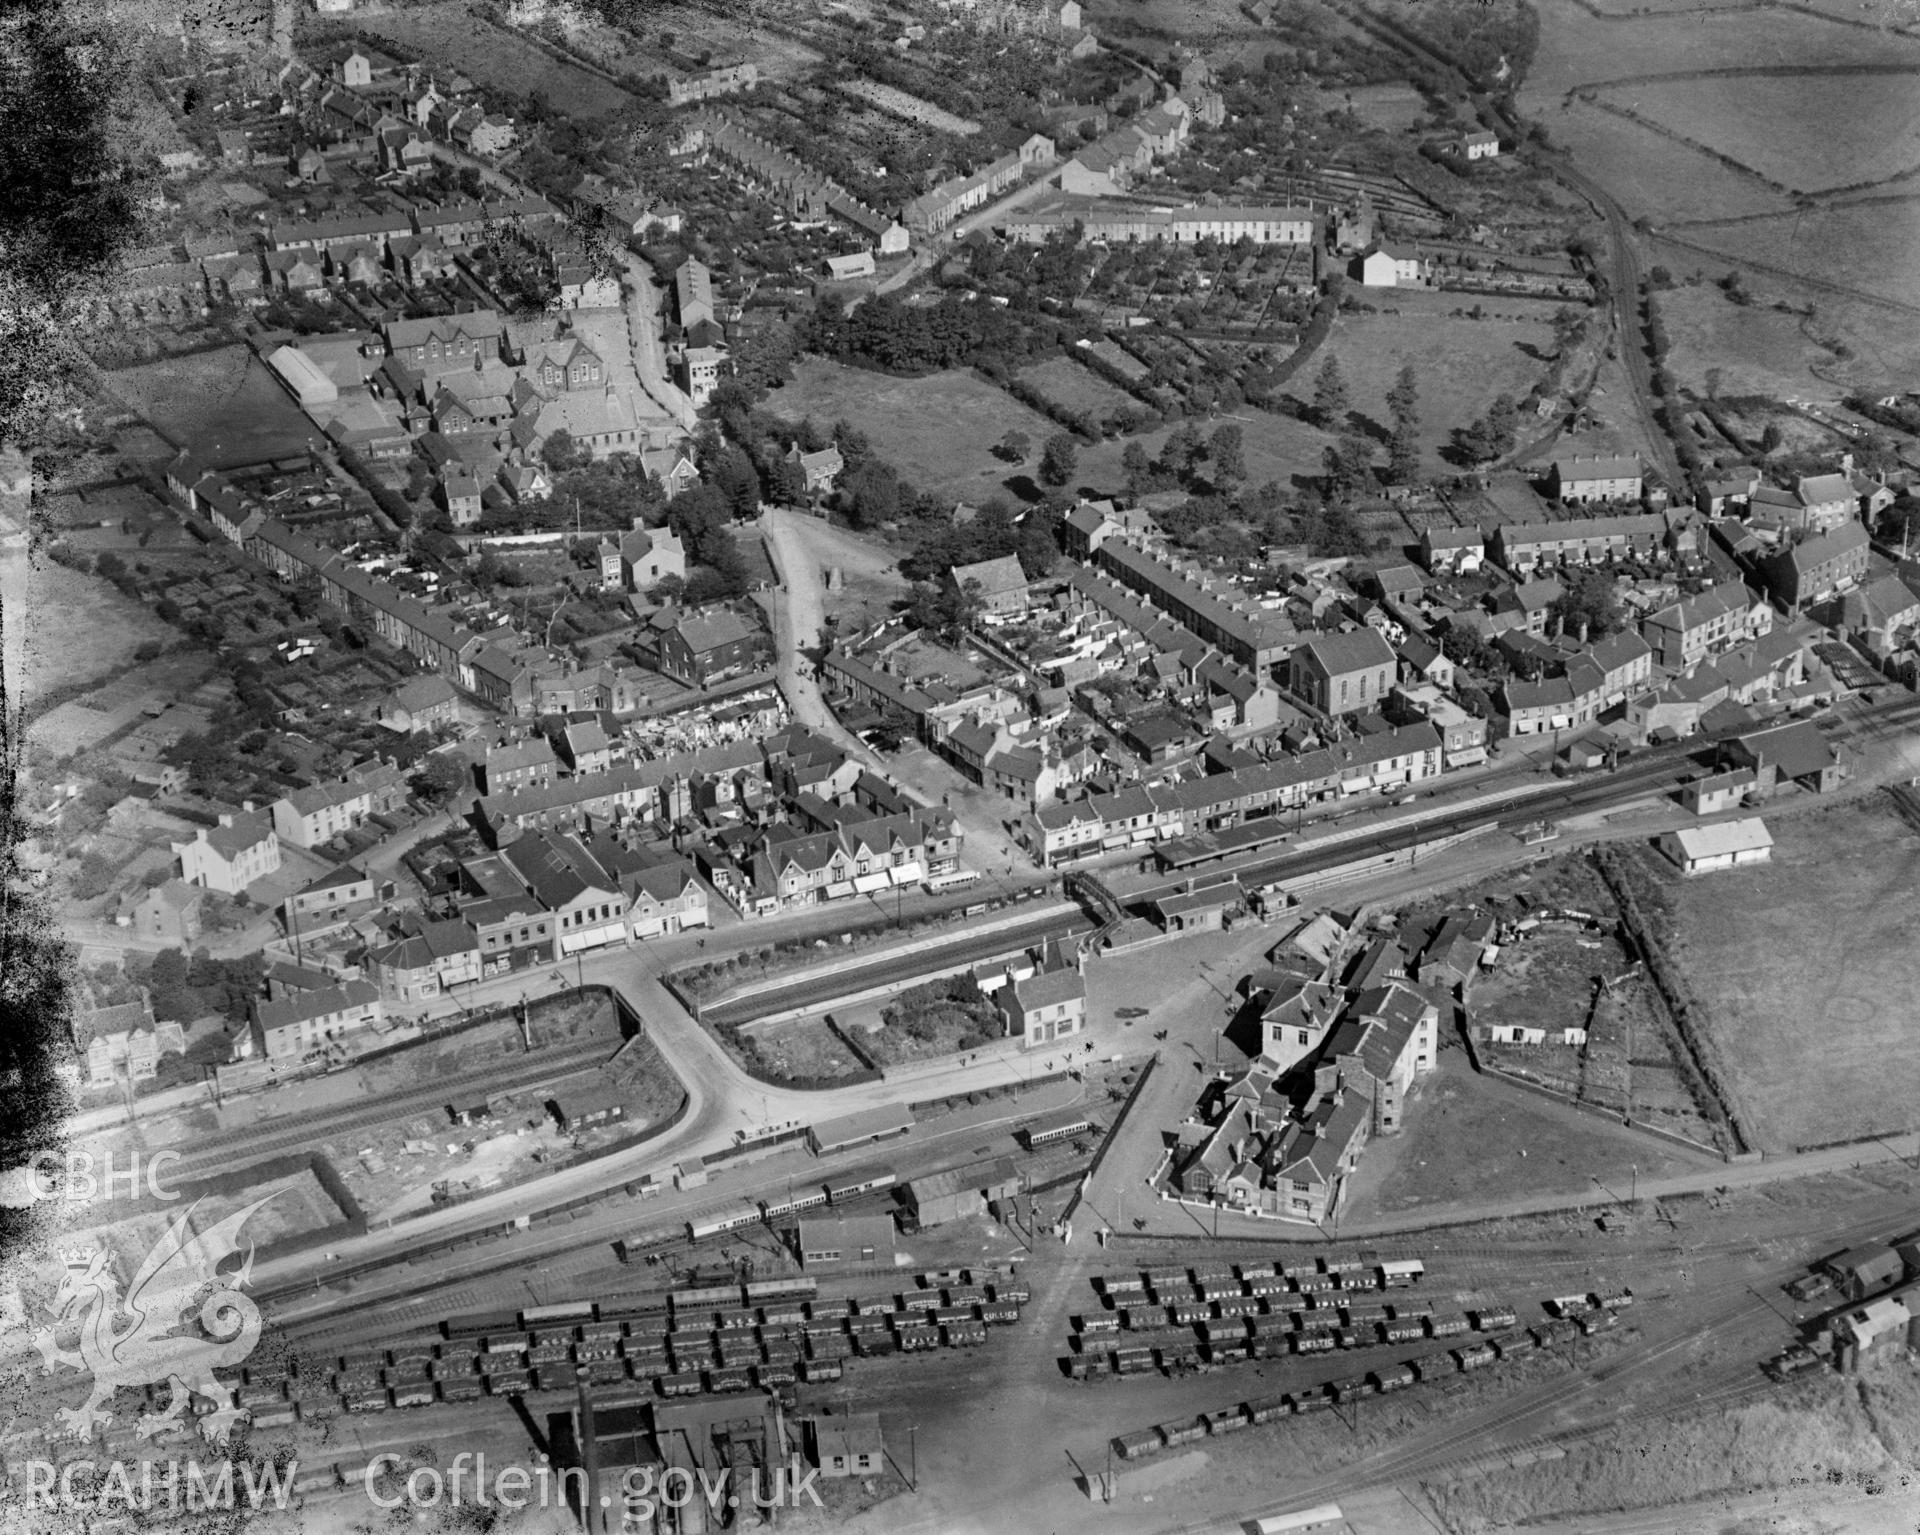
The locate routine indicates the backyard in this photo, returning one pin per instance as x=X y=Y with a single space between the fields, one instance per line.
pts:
x=1805 y=969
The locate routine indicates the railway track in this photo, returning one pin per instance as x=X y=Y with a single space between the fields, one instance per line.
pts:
x=237 y=1148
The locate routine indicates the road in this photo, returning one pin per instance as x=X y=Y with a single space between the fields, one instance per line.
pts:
x=649 y=358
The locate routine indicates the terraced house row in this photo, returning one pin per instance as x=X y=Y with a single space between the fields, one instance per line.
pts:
x=1140 y=816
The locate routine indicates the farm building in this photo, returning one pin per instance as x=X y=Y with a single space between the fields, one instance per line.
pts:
x=836 y=1244
x=1725 y=845
x=861 y=1128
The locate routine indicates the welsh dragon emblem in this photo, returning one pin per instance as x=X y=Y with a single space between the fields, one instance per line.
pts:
x=136 y=1341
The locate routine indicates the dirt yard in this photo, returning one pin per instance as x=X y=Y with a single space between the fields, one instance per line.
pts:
x=1806 y=969
x=1470 y=1139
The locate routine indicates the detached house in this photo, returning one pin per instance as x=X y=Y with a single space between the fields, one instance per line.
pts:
x=231 y=856
x=1049 y=1005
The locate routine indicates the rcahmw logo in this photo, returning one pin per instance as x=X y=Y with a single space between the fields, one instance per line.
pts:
x=80 y=1177
x=642 y=1490
x=101 y=1488
x=143 y=1338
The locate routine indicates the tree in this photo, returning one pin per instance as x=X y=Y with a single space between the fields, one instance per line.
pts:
x=1588 y=601
x=872 y=495
x=1136 y=466
x=1349 y=466
x=1403 y=455
x=1182 y=450
x=1403 y=399
x=1492 y=435
x=1013 y=447
x=560 y=453
x=1225 y=452
x=440 y=776
x=1059 y=460
x=1329 y=394
x=167 y=980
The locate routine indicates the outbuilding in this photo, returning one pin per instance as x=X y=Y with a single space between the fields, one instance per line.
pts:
x=1723 y=845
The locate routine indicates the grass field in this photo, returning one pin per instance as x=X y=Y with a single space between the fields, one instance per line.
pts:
x=1577 y=48
x=1065 y=382
x=1806 y=969
x=1864 y=246
x=1757 y=349
x=63 y=628
x=453 y=36
x=1869 y=124
x=1395 y=107
x=939 y=430
x=225 y=402
x=1652 y=176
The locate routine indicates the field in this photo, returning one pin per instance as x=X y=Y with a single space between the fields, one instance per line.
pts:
x=63 y=628
x=1870 y=123
x=1065 y=382
x=1820 y=1432
x=1394 y=108
x=225 y=402
x=1652 y=176
x=939 y=430
x=1577 y=48
x=1805 y=969
x=1857 y=245
x=454 y=37
x=1759 y=350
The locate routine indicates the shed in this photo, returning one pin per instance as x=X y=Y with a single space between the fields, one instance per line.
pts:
x=961 y=1191
x=860 y=1128
x=1723 y=845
